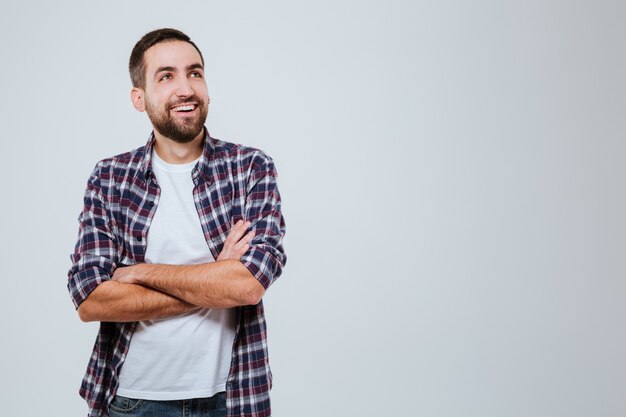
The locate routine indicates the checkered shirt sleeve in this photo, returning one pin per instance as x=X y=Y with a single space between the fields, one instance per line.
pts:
x=95 y=255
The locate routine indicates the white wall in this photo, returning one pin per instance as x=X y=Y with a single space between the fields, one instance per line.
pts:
x=453 y=180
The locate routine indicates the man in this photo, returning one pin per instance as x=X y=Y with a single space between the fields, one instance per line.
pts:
x=178 y=241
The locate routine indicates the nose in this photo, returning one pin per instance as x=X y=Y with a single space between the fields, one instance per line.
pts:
x=184 y=89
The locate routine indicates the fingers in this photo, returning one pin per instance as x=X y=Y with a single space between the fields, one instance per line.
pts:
x=237 y=232
x=242 y=246
x=123 y=274
x=237 y=242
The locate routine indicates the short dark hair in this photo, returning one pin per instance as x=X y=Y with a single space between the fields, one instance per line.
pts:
x=136 y=64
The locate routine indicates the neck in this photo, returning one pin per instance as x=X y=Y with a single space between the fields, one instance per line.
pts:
x=174 y=152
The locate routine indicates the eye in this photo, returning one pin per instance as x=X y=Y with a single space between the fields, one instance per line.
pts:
x=165 y=77
x=195 y=74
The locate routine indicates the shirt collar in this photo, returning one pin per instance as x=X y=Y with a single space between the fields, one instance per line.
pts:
x=203 y=164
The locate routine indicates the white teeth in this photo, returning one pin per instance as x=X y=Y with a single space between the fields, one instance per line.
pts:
x=183 y=108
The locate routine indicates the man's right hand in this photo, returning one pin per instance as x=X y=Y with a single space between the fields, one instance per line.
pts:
x=237 y=242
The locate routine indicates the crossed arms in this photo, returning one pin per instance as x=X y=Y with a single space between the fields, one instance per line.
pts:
x=150 y=291
x=246 y=266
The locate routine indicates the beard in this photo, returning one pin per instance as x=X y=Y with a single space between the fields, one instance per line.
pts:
x=181 y=130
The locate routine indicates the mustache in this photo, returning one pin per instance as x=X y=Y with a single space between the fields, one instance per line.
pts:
x=186 y=100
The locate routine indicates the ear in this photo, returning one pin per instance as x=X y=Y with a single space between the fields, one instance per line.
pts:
x=137 y=97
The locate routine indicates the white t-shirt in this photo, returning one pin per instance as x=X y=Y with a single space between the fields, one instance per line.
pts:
x=185 y=356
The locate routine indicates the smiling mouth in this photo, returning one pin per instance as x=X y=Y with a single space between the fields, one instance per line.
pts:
x=184 y=108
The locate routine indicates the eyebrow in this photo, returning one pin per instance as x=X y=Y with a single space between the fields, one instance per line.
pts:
x=173 y=69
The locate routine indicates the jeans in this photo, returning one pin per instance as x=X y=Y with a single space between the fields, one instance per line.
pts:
x=214 y=406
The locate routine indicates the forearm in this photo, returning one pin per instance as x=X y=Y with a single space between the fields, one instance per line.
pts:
x=113 y=301
x=221 y=284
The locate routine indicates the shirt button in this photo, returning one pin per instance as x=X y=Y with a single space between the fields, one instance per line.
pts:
x=151 y=204
x=139 y=239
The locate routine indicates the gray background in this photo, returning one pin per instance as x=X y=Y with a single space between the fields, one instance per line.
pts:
x=453 y=181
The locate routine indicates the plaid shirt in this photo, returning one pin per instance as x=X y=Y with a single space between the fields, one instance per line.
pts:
x=232 y=182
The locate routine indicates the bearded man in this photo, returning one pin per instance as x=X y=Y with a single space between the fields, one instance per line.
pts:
x=178 y=242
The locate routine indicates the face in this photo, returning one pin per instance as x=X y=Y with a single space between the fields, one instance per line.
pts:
x=176 y=96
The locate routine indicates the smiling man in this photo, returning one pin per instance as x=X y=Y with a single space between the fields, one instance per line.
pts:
x=178 y=242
